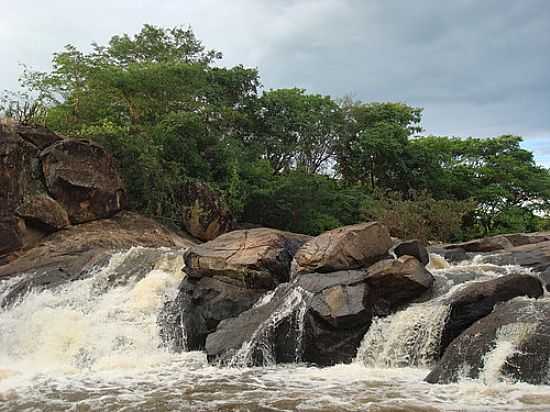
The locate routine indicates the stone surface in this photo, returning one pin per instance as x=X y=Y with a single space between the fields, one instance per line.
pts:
x=81 y=176
x=411 y=248
x=512 y=343
x=397 y=281
x=200 y=306
x=73 y=249
x=255 y=258
x=39 y=136
x=204 y=214
x=476 y=300
x=43 y=212
x=348 y=247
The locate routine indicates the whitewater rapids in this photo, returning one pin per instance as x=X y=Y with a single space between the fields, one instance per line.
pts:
x=91 y=346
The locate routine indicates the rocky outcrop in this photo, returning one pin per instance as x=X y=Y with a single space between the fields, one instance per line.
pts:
x=477 y=300
x=226 y=276
x=204 y=213
x=318 y=318
x=348 y=247
x=81 y=176
x=48 y=183
x=513 y=343
x=255 y=258
x=70 y=253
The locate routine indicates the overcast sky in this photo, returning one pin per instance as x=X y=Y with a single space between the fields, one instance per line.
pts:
x=477 y=67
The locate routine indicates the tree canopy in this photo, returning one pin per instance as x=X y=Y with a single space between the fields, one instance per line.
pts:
x=166 y=108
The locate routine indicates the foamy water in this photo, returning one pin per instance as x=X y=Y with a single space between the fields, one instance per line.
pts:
x=87 y=347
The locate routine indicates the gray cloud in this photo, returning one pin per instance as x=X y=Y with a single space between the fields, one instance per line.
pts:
x=477 y=67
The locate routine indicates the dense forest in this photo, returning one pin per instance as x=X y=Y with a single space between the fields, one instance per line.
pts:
x=170 y=112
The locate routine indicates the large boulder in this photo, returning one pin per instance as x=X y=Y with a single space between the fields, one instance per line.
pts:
x=255 y=258
x=318 y=318
x=201 y=304
x=204 y=213
x=511 y=343
x=348 y=247
x=397 y=281
x=411 y=248
x=477 y=299
x=486 y=244
x=44 y=212
x=19 y=180
x=39 y=136
x=71 y=253
x=81 y=176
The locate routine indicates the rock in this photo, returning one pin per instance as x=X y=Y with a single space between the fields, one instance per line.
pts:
x=81 y=176
x=411 y=248
x=477 y=299
x=318 y=318
x=19 y=179
x=44 y=212
x=487 y=244
x=73 y=250
x=397 y=281
x=200 y=306
x=204 y=214
x=513 y=343
x=256 y=258
x=348 y=247
x=39 y=136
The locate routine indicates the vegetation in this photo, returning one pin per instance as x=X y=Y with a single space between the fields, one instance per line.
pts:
x=283 y=158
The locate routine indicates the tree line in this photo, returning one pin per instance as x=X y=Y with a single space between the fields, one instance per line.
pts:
x=285 y=158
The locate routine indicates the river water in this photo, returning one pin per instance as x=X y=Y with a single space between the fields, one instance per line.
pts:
x=89 y=346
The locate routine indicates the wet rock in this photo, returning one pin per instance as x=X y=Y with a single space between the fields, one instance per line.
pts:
x=348 y=247
x=255 y=258
x=204 y=213
x=81 y=176
x=39 y=136
x=477 y=299
x=511 y=343
x=73 y=250
x=200 y=306
x=487 y=244
x=397 y=281
x=411 y=248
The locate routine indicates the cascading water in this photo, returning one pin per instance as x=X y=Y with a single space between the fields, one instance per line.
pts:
x=93 y=345
x=293 y=307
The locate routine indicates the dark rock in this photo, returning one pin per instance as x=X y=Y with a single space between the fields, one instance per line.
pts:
x=39 y=136
x=487 y=244
x=200 y=306
x=256 y=258
x=348 y=247
x=44 y=212
x=518 y=331
x=411 y=248
x=81 y=176
x=398 y=281
x=72 y=249
x=204 y=213
x=477 y=299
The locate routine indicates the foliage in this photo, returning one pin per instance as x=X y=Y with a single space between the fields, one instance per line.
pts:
x=283 y=158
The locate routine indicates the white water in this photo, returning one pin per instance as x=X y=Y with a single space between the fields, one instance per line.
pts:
x=88 y=347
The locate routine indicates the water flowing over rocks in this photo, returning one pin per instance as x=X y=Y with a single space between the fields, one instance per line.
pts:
x=477 y=299
x=226 y=276
x=511 y=343
x=348 y=247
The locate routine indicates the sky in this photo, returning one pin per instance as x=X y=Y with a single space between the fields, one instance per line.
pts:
x=477 y=67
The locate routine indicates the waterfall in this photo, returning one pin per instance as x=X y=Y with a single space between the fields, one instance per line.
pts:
x=408 y=338
x=293 y=307
x=88 y=325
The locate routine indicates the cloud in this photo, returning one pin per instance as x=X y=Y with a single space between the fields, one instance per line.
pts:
x=477 y=67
